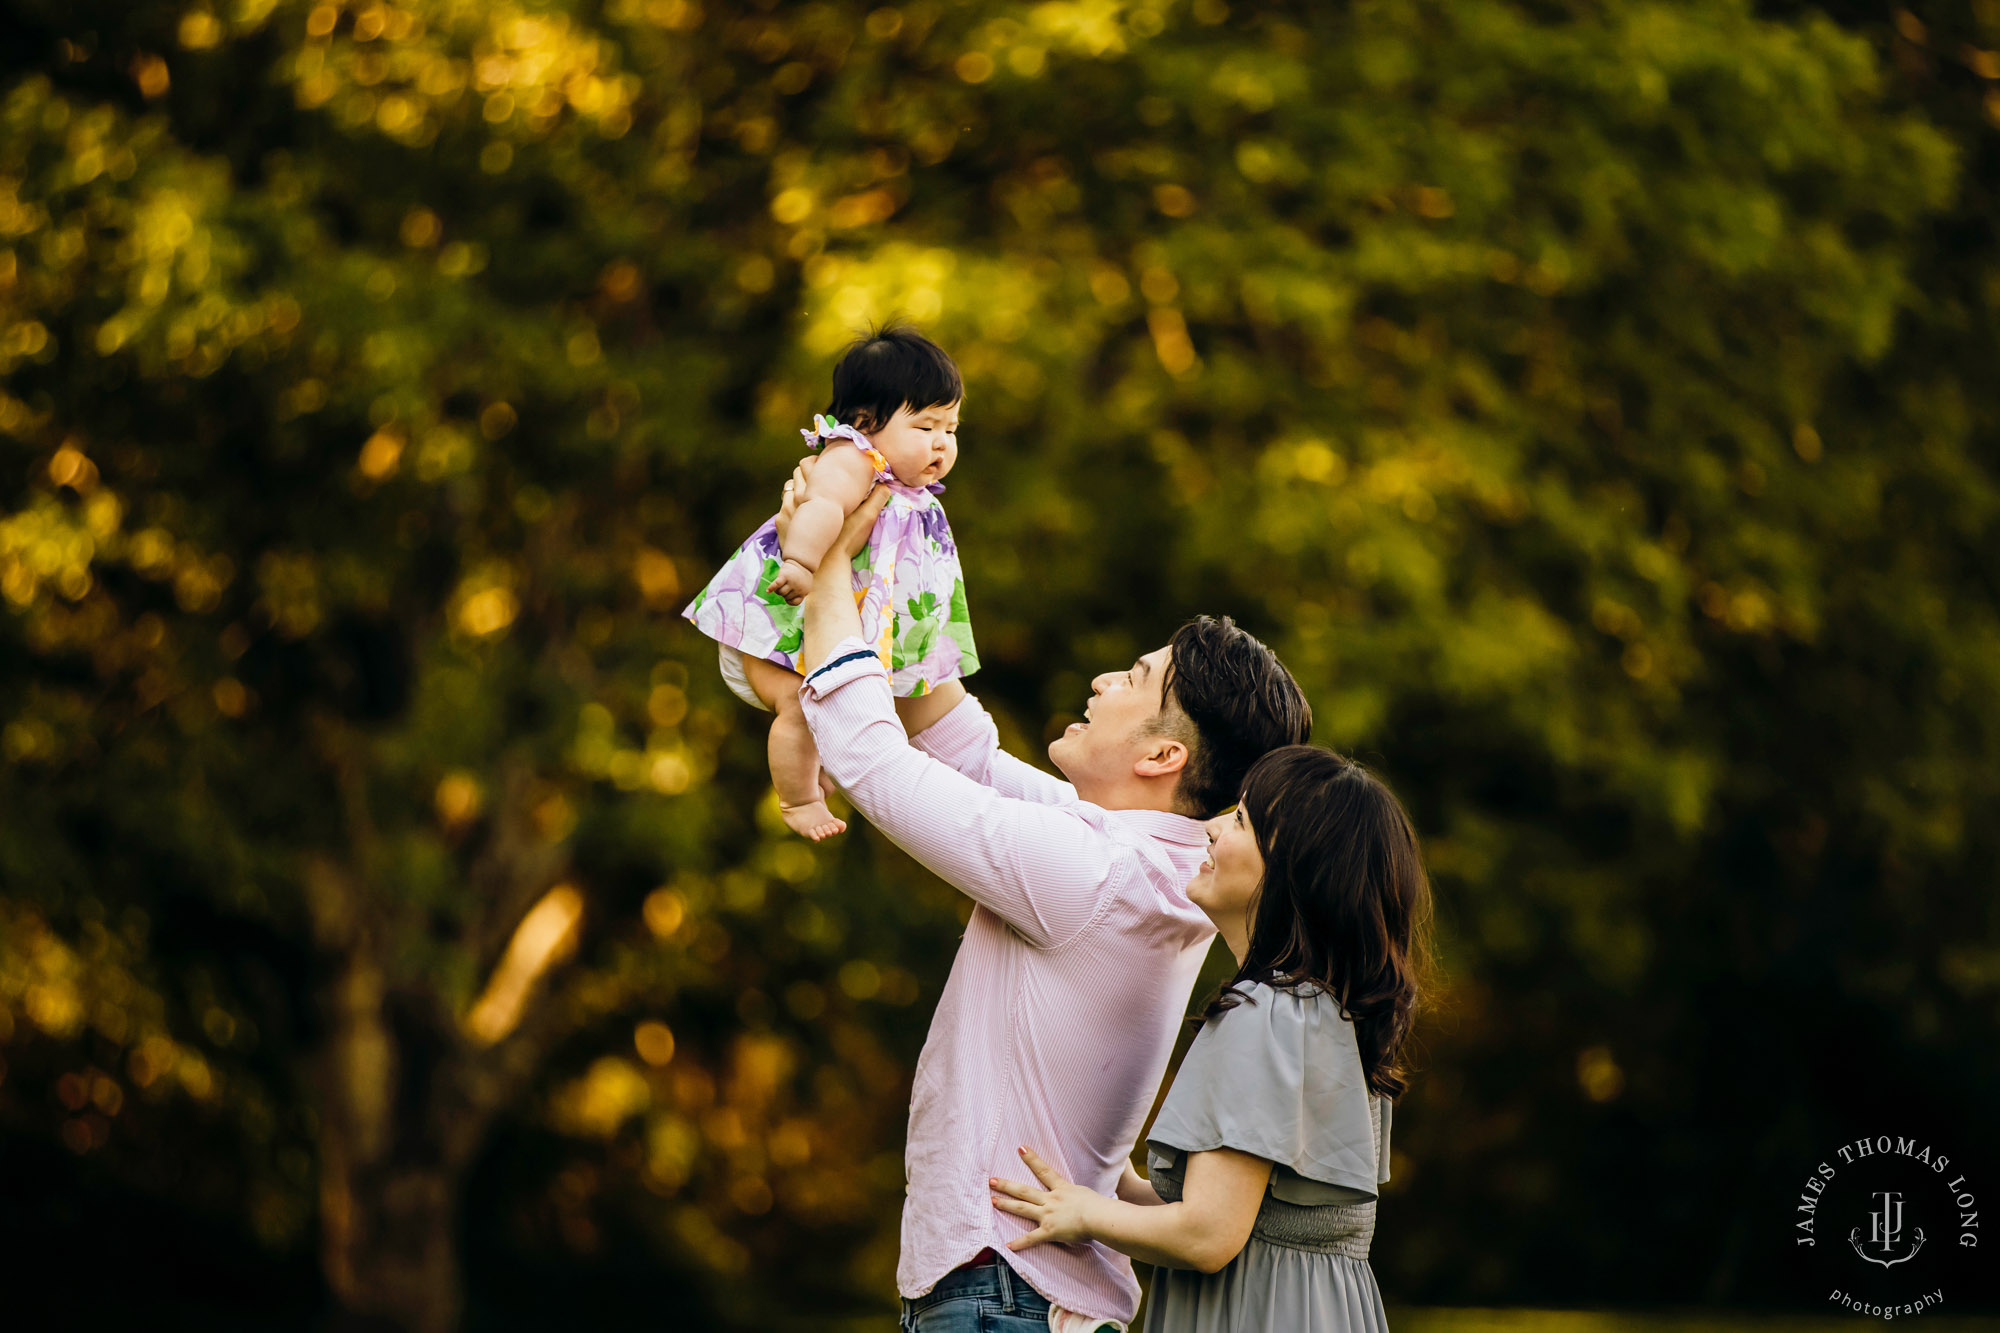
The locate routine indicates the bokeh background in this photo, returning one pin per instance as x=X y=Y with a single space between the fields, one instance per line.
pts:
x=1594 y=401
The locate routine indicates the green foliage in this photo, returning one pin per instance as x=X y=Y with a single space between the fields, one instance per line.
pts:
x=1585 y=400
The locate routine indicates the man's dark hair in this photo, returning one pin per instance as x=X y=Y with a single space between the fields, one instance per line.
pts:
x=890 y=369
x=1231 y=701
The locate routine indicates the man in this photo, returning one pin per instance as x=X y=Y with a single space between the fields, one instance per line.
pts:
x=1073 y=976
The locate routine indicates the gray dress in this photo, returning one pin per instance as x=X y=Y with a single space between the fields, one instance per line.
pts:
x=1278 y=1076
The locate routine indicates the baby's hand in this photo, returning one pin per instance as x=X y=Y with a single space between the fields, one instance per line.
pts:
x=793 y=583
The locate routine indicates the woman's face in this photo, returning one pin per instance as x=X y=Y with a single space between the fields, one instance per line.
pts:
x=1228 y=879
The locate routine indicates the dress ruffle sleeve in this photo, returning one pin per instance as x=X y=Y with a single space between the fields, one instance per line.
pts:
x=1279 y=1076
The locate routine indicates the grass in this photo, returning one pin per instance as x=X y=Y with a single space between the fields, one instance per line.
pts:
x=1687 y=1321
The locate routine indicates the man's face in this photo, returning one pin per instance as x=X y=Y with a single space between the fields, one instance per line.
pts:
x=1123 y=705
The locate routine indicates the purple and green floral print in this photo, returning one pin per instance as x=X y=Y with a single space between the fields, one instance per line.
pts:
x=908 y=582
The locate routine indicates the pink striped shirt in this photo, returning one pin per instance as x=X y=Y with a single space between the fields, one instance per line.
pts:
x=1059 y=1017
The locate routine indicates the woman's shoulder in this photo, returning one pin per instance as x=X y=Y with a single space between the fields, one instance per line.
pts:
x=1297 y=1028
x=1278 y=1075
x=1263 y=1004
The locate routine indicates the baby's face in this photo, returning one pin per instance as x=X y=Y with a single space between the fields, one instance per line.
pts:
x=920 y=444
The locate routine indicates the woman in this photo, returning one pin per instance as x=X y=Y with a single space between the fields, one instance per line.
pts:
x=1264 y=1161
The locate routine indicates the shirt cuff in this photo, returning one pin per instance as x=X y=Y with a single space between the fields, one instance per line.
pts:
x=850 y=659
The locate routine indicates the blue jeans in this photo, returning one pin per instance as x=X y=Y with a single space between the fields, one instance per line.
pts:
x=991 y=1298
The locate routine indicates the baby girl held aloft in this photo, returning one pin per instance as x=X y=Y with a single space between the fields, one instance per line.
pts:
x=894 y=421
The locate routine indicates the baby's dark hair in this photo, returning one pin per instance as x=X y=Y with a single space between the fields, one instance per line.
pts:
x=890 y=369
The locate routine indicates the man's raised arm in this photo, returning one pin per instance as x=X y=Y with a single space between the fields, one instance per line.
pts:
x=966 y=739
x=963 y=736
x=1039 y=867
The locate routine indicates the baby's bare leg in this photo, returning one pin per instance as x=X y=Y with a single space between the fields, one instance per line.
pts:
x=794 y=758
x=919 y=712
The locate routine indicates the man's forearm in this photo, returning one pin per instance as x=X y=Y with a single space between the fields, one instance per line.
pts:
x=830 y=612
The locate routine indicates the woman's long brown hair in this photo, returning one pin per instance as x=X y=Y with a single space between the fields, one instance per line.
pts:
x=1344 y=903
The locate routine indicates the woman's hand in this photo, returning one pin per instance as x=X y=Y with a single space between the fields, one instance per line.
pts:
x=1060 y=1210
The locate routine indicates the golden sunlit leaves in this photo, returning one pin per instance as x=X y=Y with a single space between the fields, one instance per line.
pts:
x=792 y=206
x=381 y=454
x=861 y=210
x=654 y=1042
x=667 y=705
x=150 y=73
x=1170 y=340
x=231 y=698
x=45 y=546
x=1598 y=1074
x=290 y=591
x=622 y=281
x=65 y=988
x=658 y=577
x=488 y=611
x=421 y=228
x=496 y=420
x=860 y=979
x=611 y=1092
x=1431 y=202
x=458 y=799
x=673 y=14
x=1313 y=461
x=406 y=77
x=664 y=912
x=70 y=468
x=199 y=30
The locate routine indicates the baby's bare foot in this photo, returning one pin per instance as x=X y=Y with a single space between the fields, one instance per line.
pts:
x=826 y=784
x=812 y=820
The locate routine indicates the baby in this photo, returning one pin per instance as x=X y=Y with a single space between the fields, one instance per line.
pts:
x=894 y=420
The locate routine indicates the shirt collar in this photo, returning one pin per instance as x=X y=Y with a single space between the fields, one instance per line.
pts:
x=1167 y=826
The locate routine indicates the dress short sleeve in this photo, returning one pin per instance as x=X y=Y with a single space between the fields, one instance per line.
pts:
x=1279 y=1076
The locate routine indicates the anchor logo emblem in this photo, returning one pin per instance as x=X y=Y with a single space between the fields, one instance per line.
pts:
x=1885 y=1232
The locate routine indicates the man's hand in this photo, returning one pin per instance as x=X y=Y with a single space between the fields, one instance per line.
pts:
x=795 y=492
x=830 y=618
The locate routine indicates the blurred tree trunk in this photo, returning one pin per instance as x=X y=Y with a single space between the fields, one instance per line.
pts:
x=388 y=1185
x=406 y=1092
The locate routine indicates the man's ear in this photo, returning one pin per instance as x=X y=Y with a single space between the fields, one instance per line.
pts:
x=1165 y=757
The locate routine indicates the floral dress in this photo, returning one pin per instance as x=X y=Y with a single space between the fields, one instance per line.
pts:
x=908 y=585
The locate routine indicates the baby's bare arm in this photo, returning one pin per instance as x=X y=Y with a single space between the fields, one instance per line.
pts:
x=919 y=712
x=842 y=480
